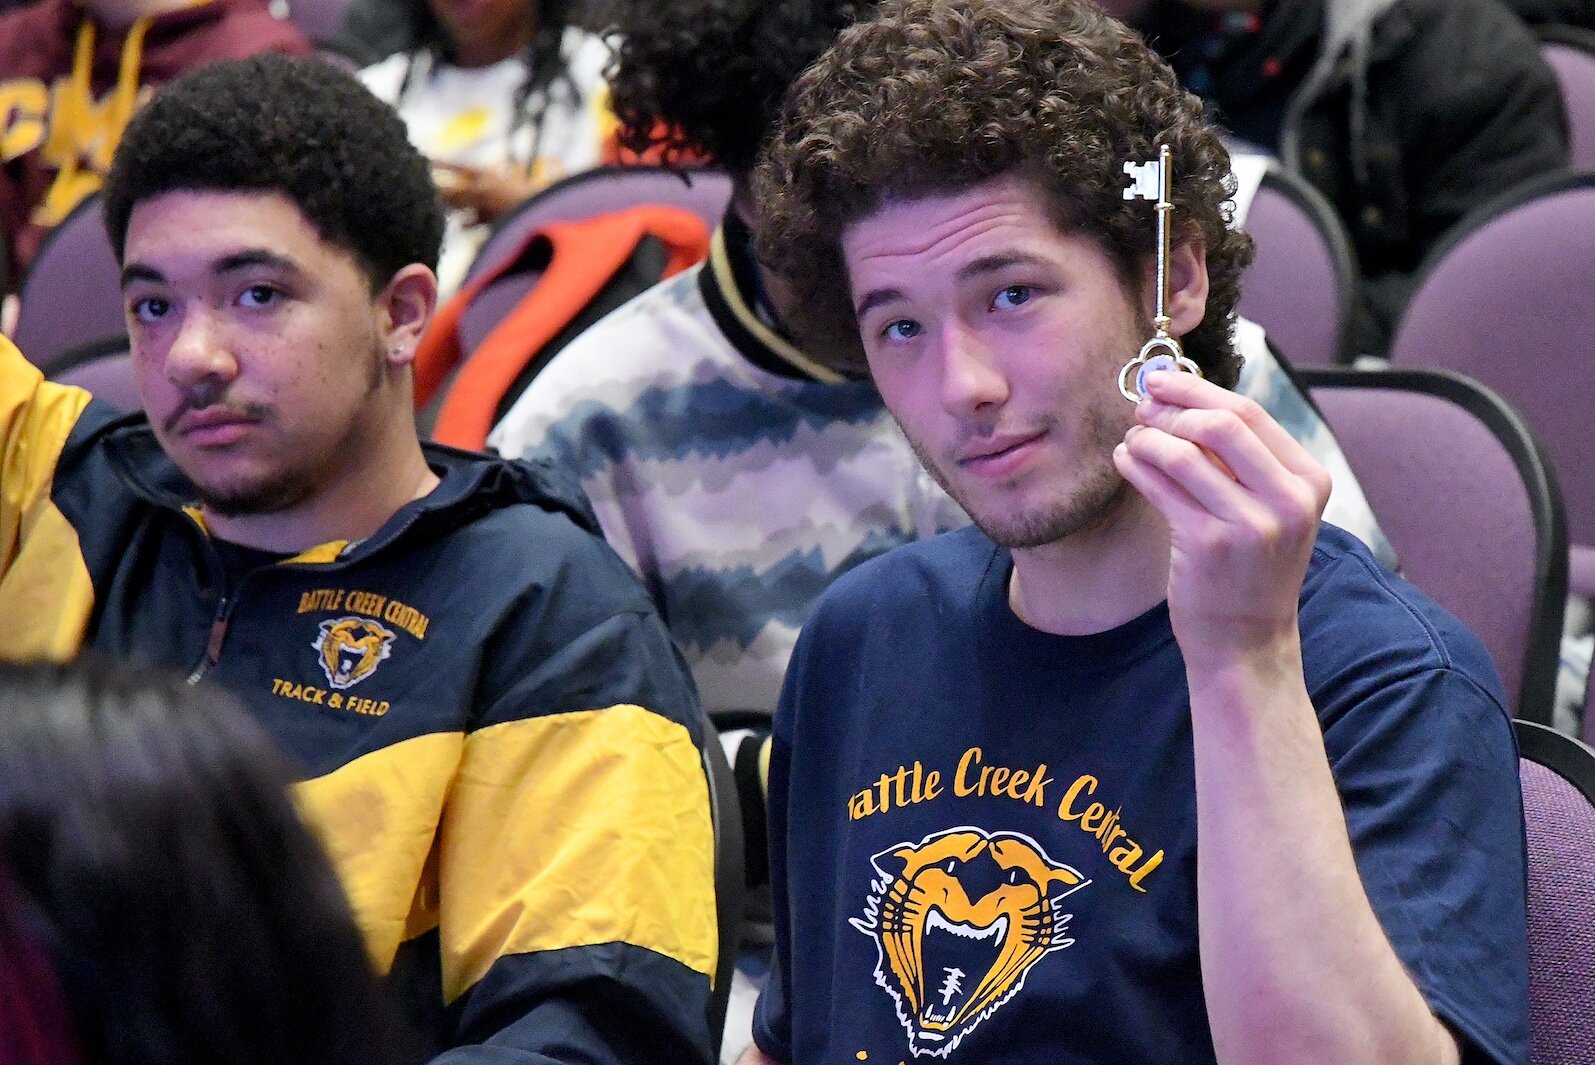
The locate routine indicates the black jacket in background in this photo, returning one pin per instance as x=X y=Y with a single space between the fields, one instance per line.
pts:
x=1450 y=106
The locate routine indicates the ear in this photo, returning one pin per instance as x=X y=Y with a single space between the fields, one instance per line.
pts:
x=1187 y=286
x=406 y=306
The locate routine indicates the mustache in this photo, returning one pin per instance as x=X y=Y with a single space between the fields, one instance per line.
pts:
x=974 y=434
x=209 y=399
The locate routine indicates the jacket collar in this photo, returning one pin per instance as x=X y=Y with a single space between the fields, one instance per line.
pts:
x=470 y=485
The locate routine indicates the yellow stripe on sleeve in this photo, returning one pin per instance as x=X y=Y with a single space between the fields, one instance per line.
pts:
x=377 y=817
x=572 y=830
x=46 y=595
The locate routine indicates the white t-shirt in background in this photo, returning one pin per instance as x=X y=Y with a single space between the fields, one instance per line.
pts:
x=467 y=116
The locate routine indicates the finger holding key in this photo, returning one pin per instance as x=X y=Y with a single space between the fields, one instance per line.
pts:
x=1242 y=501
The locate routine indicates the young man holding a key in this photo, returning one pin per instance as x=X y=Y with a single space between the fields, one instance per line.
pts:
x=1148 y=766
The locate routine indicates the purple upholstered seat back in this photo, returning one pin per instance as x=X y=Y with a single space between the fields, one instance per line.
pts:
x=600 y=191
x=491 y=305
x=1299 y=285
x=109 y=378
x=1503 y=303
x=1470 y=515
x=1571 y=54
x=478 y=319
x=72 y=294
x=1559 y=812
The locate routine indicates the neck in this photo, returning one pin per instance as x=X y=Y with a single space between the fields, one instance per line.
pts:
x=471 y=55
x=1098 y=577
x=776 y=291
x=353 y=506
x=120 y=14
x=742 y=197
x=483 y=50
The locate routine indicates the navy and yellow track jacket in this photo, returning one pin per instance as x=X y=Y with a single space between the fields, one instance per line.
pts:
x=500 y=740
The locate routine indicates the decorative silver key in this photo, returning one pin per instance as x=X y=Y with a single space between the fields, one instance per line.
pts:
x=1152 y=180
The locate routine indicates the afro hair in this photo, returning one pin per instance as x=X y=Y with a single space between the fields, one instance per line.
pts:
x=299 y=127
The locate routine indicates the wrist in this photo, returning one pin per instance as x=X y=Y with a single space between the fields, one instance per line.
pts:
x=1258 y=667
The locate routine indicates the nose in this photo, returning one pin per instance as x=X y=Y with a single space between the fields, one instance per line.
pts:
x=972 y=379
x=199 y=352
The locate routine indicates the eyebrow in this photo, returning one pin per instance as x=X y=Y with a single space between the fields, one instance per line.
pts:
x=241 y=260
x=875 y=297
x=986 y=264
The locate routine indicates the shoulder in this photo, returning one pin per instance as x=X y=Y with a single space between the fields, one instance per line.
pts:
x=885 y=618
x=545 y=550
x=1466 y=19
x=572 y=628
x=1436 y=38
x=662 y=341
x=659 y=333
x=1363 y=625
x=384 y=77
x=523 y=532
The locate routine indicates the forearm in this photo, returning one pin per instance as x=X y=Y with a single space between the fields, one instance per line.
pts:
x=1295 y=964
x=576 y=864
x=754 y=1056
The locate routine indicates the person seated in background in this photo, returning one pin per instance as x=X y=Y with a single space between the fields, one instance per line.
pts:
x=1405 y=114
x=74 y=71
x=1147 y=765
x=504 y=96
x=501 y=744
x=161 y=901
x=736 y=469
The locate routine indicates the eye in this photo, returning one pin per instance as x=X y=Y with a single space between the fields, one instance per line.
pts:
x=1012 y=296
x=151 y=308
x=902 y=329
x=259 y=296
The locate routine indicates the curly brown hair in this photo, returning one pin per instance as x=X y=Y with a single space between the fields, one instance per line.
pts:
x=932 y=96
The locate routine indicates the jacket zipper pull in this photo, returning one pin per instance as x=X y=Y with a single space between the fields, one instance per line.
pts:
x=213 y=646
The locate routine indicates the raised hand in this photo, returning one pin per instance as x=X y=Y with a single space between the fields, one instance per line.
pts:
x=1242 y=500
x=488 y=194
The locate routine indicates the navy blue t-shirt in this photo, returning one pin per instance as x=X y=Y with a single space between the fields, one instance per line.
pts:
x=984 y=836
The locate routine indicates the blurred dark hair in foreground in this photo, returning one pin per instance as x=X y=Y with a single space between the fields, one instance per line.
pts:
x=160 y=900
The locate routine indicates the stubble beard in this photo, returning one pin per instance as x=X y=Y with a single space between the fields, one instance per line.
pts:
x=282 y=492
x=1097 y=496
x=292 y=484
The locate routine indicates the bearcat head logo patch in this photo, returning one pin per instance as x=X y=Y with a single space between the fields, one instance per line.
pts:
x=350 y=649
x=959 y=919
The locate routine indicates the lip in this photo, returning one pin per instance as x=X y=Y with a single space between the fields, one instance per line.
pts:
x=998 y=456
x=215 y=426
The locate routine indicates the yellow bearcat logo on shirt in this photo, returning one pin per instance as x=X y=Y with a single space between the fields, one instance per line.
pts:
x=350 y=649
x=960 y=918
